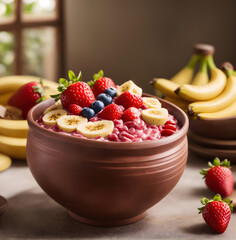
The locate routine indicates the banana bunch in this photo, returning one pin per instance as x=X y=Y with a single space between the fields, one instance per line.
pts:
x=198 y=95
x=13 y=133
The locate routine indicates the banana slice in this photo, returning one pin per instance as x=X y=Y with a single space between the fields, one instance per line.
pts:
x=5 y=162
x=56 y=106
x=51 y=117
x=95 y=129
x=69 y=123
x=155 y=116
x=129 y=86
x=151 y=102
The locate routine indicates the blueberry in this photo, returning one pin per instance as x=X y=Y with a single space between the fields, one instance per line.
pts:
x=87 y=112
x=111 y=91
x=97 y=106
x=105 y=98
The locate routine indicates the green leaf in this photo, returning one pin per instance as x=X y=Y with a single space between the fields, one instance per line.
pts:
x=100 y=73
x=204 y=200
x=79 y=77
x=217 y=197
x=61 y=88
x=41 y=82
x=71 y=75
x=216 y=162
x=55 y=95
x=63 y=81
x=203 y=172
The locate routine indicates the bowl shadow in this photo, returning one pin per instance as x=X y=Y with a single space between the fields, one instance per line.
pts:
x=31 y=214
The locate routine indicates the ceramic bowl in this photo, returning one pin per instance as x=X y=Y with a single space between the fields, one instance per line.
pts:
x=222 y=128
x=106 y=183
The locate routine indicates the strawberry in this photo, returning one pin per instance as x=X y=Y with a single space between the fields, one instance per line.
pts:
x=99 y=83
x=216 y=212
x=130 y=114
x=75 y=109
x=111 y=112
x=128 y=99
x=219 y=177
x=74 y=92
x=27 y=96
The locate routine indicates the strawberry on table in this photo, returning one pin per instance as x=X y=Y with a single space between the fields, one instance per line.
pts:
x=99 y=84
x=216 y=212
x=74 y=92
x=219 y=177
x=130 y=114
x=27 y=96
x=128 y=99
x=111 y=112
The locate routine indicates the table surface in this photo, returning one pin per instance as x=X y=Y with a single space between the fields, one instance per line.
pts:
x=31 y=214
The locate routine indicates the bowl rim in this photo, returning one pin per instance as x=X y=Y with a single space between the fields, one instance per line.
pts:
x=109 y=144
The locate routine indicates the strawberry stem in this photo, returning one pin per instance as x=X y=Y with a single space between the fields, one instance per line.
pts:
x=216 y=162
x=64 y=83
x=217 y=198
x=96 y=76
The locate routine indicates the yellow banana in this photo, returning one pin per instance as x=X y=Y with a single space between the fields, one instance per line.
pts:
x=218 y=103
x=178 y=102
x=185 y=75
x=227 y=112
x=5 y=162
x=201 y=77
x=165 y=86
x=13 y=147
x=13 y=83
x=208 y=91
x=4 y=97
x=14 y=128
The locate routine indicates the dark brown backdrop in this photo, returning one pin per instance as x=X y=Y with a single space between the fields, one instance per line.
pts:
x=142 y=39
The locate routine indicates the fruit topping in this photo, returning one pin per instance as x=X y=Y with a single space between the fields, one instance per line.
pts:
x=155 y=116
x=99 y=83
x=88 y=112
x=51 y=117
x=111 y=91
x=95 y=129
x=128 y=99
x=105 y=98
x=219 y=177
x=216 y=212
x=69 y=123
x=55 y=106
x=151 y=102
x=129 y=86
x=75 y=109
x=97 y=106
x=111 y=112
x=74 y=91
x=130 y=114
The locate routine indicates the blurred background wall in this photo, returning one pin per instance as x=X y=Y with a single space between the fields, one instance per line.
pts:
x=142 y=39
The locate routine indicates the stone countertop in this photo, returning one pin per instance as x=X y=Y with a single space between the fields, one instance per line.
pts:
x=31 y=214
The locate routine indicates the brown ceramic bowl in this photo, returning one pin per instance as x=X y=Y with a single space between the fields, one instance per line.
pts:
x=106 y=183
x=222 y=128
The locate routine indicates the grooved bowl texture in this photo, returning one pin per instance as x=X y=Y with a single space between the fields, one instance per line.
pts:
x=106 y=183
